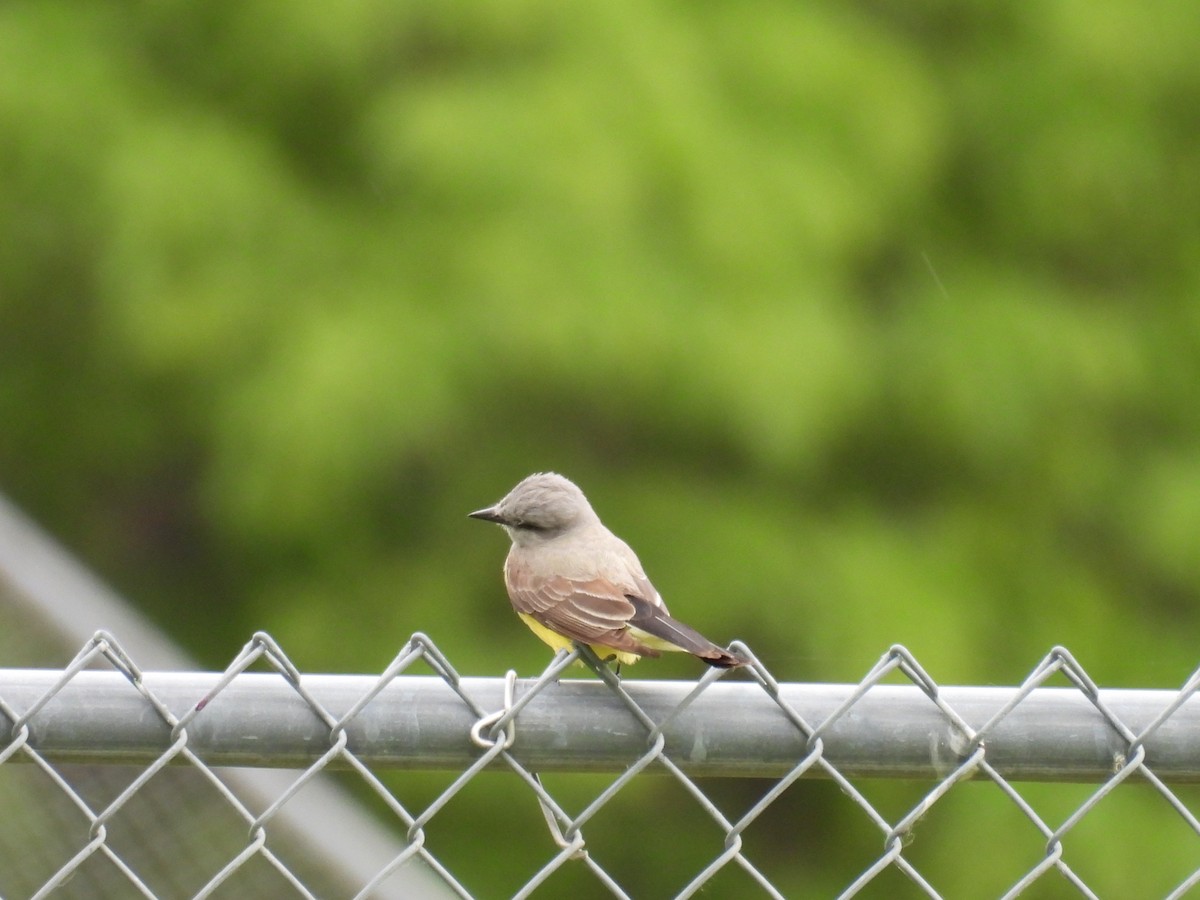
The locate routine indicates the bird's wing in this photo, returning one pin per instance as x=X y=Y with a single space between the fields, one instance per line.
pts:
x=594 y=611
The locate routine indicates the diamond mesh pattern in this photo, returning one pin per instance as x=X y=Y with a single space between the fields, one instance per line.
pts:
x=114 y=834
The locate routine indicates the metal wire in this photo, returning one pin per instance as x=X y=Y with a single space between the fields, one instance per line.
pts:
x=727 y=723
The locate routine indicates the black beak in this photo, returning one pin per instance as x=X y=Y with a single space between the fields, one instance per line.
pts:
x=487 y=515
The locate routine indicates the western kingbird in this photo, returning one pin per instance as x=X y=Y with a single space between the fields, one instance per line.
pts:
x=571 y=579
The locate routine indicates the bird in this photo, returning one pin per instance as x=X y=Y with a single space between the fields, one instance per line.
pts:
x=570 y=579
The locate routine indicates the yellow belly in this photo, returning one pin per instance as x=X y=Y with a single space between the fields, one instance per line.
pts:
x=558 y=642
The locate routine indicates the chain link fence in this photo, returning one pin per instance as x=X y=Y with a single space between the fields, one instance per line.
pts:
x=102 y=709
x=176 y=830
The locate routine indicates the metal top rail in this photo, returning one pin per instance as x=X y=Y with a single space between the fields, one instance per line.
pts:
x=727 y=729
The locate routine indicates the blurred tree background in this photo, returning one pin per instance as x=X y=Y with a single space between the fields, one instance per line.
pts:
x=863 y=323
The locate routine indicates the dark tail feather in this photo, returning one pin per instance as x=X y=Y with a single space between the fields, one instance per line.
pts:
x=724 y=660
x=653 y=620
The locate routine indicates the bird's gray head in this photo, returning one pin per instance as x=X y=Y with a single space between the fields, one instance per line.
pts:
x=541 y=507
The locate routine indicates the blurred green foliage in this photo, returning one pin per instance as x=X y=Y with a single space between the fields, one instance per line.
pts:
x=863 y=324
